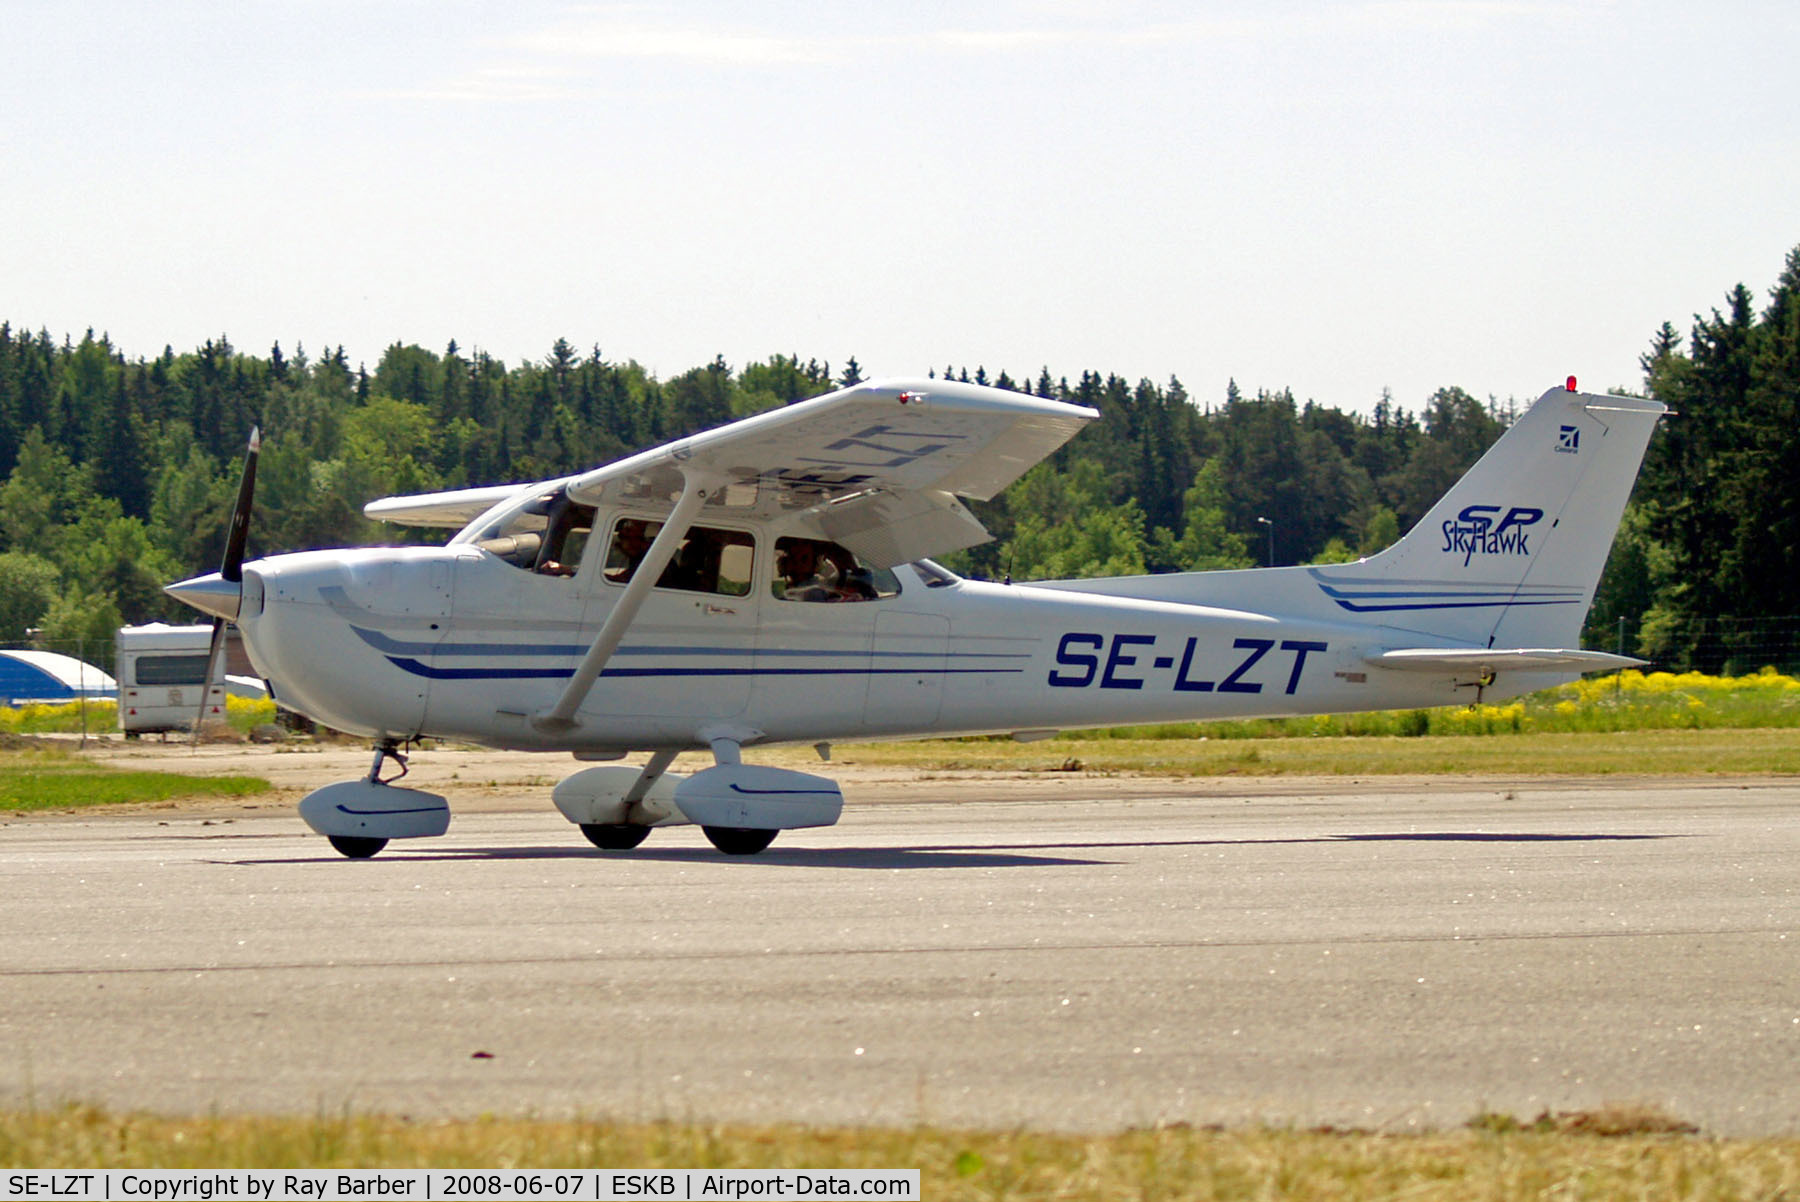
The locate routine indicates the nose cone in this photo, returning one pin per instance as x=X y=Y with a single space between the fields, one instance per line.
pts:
x=210 y=594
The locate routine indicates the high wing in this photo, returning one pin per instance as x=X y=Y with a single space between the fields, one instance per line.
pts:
x=454 y=509
x=877 y=466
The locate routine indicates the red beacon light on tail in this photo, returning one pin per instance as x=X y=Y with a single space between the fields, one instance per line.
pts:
x=1571 y=384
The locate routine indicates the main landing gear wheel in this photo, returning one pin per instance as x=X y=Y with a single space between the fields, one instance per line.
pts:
x=357 y=847
x=615 y=836
x=738 y=840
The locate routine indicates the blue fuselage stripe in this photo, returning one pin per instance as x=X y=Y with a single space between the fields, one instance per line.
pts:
x=1353 y=607
x=1498 y=594
x=391 y=646
x=508 y=673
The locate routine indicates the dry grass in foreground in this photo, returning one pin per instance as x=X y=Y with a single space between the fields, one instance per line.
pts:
x=1617 y=1152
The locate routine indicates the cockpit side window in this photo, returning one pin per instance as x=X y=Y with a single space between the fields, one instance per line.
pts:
x=545 y=534
x=517 y=536
x=811 y=569
x=566 y=537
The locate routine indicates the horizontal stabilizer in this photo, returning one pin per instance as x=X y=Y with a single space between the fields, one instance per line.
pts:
x=1499 y=659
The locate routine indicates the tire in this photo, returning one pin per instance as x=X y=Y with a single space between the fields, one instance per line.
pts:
x=356 y=847
x=738 y=840
x=614 y=836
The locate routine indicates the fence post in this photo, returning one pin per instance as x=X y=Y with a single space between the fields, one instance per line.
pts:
x=81 y=685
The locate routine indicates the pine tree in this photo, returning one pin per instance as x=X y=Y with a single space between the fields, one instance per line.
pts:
x=120 y=464
x=11 y=397
x=1687 y=474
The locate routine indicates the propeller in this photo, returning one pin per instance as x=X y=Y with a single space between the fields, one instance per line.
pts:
x=231 y=568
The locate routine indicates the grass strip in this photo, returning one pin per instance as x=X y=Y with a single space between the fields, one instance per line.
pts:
x=1495 y=1157
x=41 y=780
x=1650 y=752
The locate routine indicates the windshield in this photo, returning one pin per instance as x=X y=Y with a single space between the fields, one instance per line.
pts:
x=544 y=532
x=934 y=574
x=503 y=516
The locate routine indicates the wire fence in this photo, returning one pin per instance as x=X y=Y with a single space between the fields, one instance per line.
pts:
x=89 y=668
x=61 y=672
x=1721 y=646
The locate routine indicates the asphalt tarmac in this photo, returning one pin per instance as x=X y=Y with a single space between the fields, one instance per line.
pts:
x=1061 y=952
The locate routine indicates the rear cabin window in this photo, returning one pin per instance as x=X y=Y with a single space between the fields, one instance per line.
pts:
x=708 y=560
x=170 y=670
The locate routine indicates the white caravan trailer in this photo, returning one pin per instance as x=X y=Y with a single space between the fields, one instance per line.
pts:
x=162 y=673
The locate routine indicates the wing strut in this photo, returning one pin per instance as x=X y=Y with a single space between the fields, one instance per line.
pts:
x=561 y=716
x=640 y=788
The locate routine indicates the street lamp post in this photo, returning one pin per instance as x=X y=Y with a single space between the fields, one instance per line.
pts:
x=1271 y=526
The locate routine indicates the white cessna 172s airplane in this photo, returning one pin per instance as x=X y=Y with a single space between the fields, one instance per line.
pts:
x=767 y=582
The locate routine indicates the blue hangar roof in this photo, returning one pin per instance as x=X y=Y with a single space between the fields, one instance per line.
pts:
x=46 y=676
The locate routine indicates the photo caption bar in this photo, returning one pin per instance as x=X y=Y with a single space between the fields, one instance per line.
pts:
x=465 y=1185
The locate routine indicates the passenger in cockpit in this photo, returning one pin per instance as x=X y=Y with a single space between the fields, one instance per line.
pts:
x=631 y=542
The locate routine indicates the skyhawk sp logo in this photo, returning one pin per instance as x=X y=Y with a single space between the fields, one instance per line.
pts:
x=1475 y=532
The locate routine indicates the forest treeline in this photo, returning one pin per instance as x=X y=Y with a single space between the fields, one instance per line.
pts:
x=119 y=472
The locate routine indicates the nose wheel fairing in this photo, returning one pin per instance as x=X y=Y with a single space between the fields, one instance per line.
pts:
x=360 y=816
x=370 y=809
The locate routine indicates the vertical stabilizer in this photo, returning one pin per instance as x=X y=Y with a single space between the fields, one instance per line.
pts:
x=1510 y=557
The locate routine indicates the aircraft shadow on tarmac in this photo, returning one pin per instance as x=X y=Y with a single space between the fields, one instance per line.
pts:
x=989 y=855
x=1497 y=837
x=793 y=857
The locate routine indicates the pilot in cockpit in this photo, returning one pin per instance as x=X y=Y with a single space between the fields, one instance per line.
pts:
x=797 y=571
x=810 y=570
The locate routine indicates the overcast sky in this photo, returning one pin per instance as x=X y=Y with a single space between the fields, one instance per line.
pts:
x=1331 y=197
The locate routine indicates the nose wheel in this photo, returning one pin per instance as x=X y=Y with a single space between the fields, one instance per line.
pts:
x=614 y=836
x=738 y=840
x=356 y=847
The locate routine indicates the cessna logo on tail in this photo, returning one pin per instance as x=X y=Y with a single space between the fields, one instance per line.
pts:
x=1475 y=531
